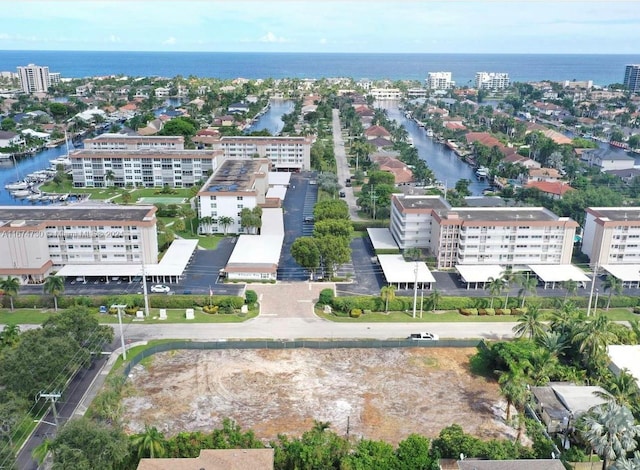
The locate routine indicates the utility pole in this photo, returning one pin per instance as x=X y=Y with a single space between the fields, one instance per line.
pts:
x=53 y=398
x=374 y=196
x=120 y=308
x=593 y=284
x=144 y=291
x=415 y=289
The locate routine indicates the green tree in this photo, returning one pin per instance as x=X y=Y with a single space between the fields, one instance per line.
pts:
x=54 y=285
x=333 y=227
x=611 y=432
x=8 y=124
x=623 y=390
x=334 y=251
x=331 y=209
x=387 y=294
x=305 y=252
x=530 y=323
x=571 y=288
x=495 y=286
x=188 y=213
x=593 y=337
x=9 y=336
x=513 y=388
x=126 y=197
x=10 y=285
x=81 y=325
x=611 y=284
x=181 y=125
x=151 y=443
x=413 y=453
x=109 y=176
x=225 y=221
x=528 y=285
x=82 y=443
x=370 y=454
x=434 y=298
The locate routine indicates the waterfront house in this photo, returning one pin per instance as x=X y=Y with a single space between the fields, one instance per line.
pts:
x=552 y=189
x=608 y=159
x=375 y=132
x=9 y=139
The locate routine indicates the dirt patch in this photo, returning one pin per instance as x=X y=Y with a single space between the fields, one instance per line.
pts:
x=382 y=394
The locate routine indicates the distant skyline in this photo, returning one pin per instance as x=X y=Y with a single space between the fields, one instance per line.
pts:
x=521 y=27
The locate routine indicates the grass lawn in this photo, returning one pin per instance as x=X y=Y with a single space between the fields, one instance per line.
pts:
x=27 y=316
x=67 y=187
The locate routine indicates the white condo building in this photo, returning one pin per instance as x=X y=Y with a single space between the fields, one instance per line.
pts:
x=35 y=241
x=110 y=141
x=236 y=185
x=439 y=81
x=507 y=236
x=492 y=80
x=612 y=235
x=34 y=78
x=385 y=93
x=284 y=153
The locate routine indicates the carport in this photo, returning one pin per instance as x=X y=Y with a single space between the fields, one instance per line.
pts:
x=169 y=269
x=381 y=239
x=400 y=272
x=629 y=274
x=552 y=274
x=479 y=274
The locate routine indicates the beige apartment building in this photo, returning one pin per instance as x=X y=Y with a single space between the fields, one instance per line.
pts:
x=122 y=142
x=509 y=236
x=612 y=235
x=35 y=241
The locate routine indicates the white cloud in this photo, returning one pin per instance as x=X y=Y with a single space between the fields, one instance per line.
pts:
x=169 y=41
x=114 y=38
x=270 y=37
x=323 y=41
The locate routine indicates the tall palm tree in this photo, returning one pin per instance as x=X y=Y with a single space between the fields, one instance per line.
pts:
x=387 y=293
x=571 y=288
x=434 y=298
x=109 y=176
x=611 y=431
x=528 y=285
x=613 y=285
x=10 y=285
x=206 y=221
x=513 y=388
x=554 y=342
x=150 y=443
x=594 y=336
x=225 y=221
x=54 y=285
x=530 y=324
x=624 y=463
x=623 y=390
x=508 y=276
x=565 y=318
x=495 y=286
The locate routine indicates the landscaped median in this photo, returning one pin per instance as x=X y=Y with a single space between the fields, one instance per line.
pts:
x=390 y=308
x=214 y=309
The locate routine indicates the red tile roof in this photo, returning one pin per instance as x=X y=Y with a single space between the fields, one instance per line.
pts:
x=557 y=188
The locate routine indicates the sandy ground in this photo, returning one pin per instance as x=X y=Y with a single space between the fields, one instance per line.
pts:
x=382 y=394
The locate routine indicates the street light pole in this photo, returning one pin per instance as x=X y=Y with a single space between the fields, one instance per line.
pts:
x=593 y=284
x=415 y=289
x=144 y=291
x=595 y=307
x=119 y=308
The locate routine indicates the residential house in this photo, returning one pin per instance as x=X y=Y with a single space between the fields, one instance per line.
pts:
x=552 y=189
x=9 y=139
x=214 y=459
x=238 y=108
x=608 y=159
x=402 y=174
x=374 y=132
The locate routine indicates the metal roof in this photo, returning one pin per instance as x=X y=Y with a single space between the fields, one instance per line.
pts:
x=397 y=270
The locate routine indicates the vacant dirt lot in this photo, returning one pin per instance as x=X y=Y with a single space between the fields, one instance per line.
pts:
x=383 y=393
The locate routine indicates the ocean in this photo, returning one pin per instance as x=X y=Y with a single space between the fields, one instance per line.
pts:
x=601 y=69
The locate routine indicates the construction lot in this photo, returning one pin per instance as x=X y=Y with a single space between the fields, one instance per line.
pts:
x=383 y=394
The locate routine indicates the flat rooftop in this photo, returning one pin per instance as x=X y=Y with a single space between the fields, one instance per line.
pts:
x=82 y=211
x=233 y=175
x=616 y=214
x=505 y=214
x=422 y=202
x=143 y=153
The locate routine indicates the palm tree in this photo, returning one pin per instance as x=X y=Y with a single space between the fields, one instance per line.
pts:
x=387 y=293
x=613 y=285
x=624 y=463
x=54 y=285
x=495 y=286
x=188 y=213
x=530 y=324
x=565 y=318
x=528 y=285
x=513 y=388
x=571 y=287
x=554 y=342
x=225 y=221
x=109 y=176
x=622 y=389
x=206 y=221
x=9 y=336
x=594 y=336
x=39 y=453
x=434 y=298
x=10 y=286
x=610 y=429
x=150 y=443
x=508 y=276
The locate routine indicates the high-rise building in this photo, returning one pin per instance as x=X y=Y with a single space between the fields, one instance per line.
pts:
x=632 y=78
x=492 y=80
x=34 y=78
x=439 y=81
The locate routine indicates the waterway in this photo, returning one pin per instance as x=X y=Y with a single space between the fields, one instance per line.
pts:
x=271 y=120
x=445 y=164
x=10 y=172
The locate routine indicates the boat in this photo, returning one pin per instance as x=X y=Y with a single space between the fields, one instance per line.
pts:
x=18 y=185
x=21 y=193
x=64 y=161
x=429 y=132
x=482 y=172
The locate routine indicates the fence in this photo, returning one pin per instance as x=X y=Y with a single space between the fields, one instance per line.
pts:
x=297 y=344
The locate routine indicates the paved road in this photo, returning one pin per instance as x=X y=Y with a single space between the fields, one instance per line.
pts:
x=343 y=169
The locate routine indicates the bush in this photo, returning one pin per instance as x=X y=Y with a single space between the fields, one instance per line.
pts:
x=482 y=311
x=355 y=313
x=490 y=311
x=226 y=309
x=636 y=309
x=250 y=297
x=326 y=297
x=213 y=309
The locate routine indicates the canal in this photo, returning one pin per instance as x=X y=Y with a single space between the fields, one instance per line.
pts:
x=271 y=120
x=445 y=164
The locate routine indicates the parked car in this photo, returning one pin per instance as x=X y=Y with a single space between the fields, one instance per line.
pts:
x=424 y=337
x=343 y=194
x=309 y=220
x=160 y=288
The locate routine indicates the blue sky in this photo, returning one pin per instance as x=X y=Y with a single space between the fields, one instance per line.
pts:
x=594 y=27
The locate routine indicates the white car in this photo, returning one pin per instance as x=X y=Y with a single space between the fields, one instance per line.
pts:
x=160 y=288
x=424 y=337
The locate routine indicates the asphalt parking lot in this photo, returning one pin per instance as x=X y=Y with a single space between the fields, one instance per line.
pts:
x=367 y=273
